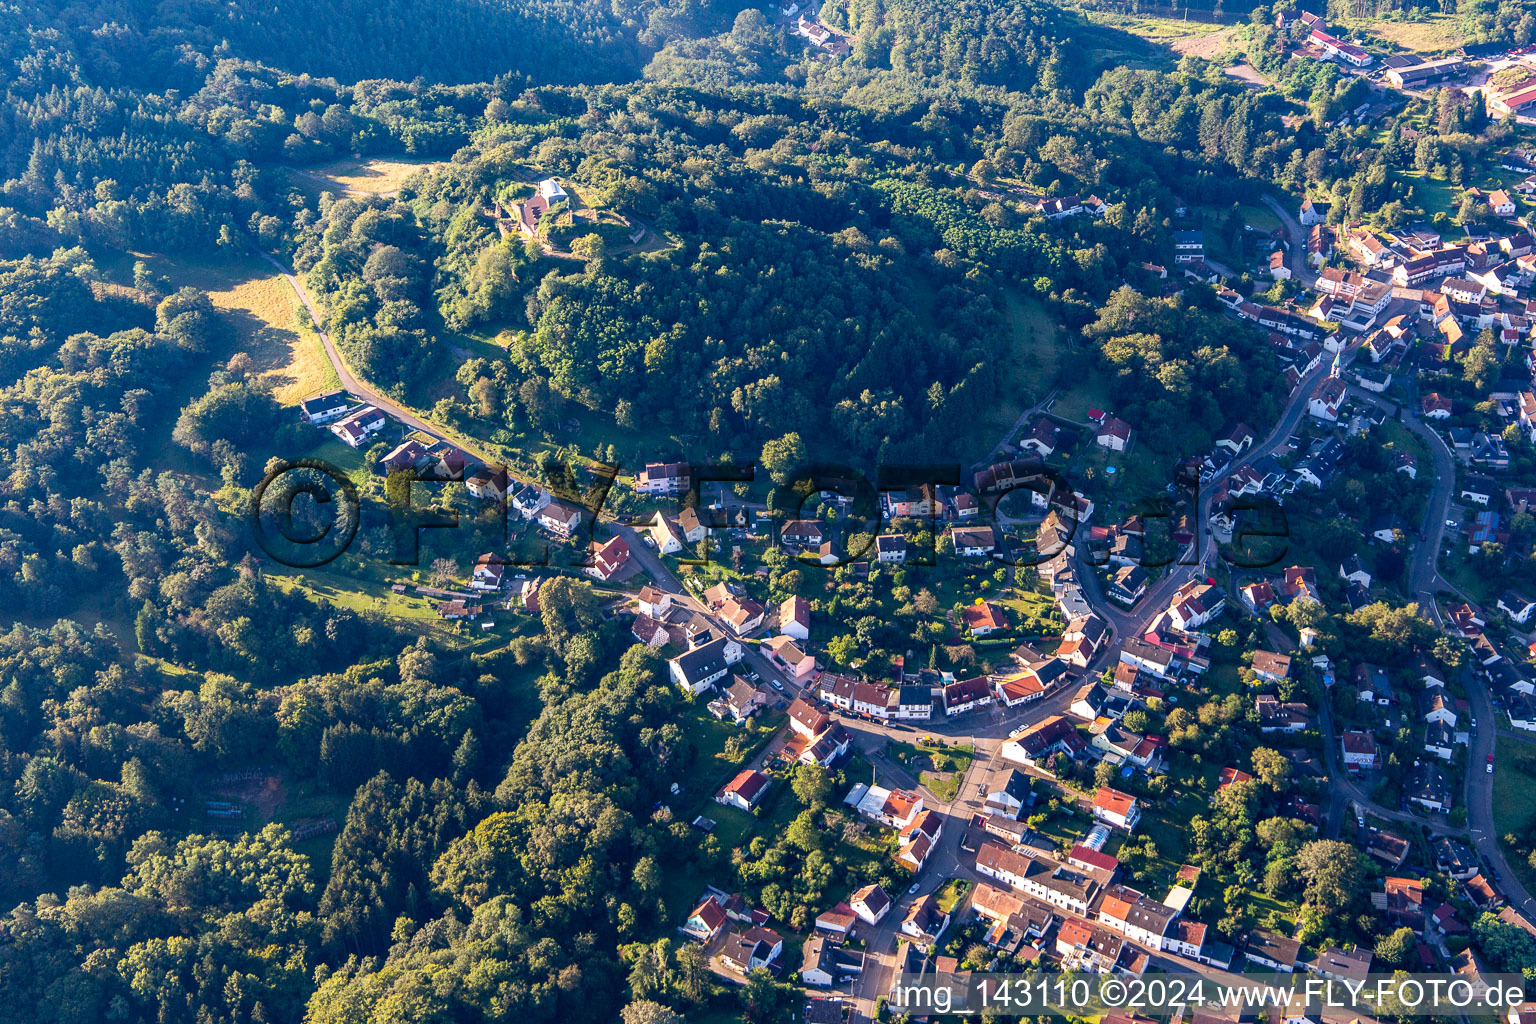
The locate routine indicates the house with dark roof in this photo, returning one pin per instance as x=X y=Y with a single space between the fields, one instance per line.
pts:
x=824 y=963
x=967 y=695
x=706 y=664
x=973 y=541
x=1272 y=951
x=326 y=406
x=1427 y=786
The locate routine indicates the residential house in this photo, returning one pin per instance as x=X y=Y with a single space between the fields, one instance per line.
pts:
x=1453 y=857
x=984 y=617
x=1360 y=750
x=1142 y=920
x=458 y=608
x=1440 y=740
x=1275 y=716
x=839 y=921
x=824 y=963
x=973 y=541
x=744 y=791
x=1116 y=808
x=1521 y=708
x=891 y=548
x=608 y=559
x=488 y=573
x=1040 y=876
x=1337 y=965
x=740 y=701
x=324 y=407
x=1043 y=438
x=1009 y=790
x=487 y=483
x=1272 y=951
x=1426 y=786
x=669 y=478
x=966 y=695
x=795 y=618
x=801 y=534
x=701 y=667
x=706 y=920
x=870 y=904
x=1089 y=702
x=807 y=719
x=1404 y=901
x=783 y=653
x=1010 y=918
x=1271 y=667
x=1327 y=400
x=559 y=518
x=1188 y=247
x=1114 y=434
x=742 y=614
x=746 y=951
x=1147 y=657
x=1057 y=207
x=1353 y=569
x=356 y=428
x=1083 y=947
x=1128 y=584
x=1517 y=606
x=918 y=839
x=1257 y=596
x=1034 y=744
x=1438 y=707
x=1372 y=684
x=1194 y=604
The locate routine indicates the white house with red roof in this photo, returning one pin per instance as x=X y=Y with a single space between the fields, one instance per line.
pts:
x=795 y=618
x=1116 y=808
x=967 y=695
x=358 y=427
x=608 y=559
x=706 y=920
x=1114 y=434
x=870 y=903
x=744 y=791
x=1327 y=400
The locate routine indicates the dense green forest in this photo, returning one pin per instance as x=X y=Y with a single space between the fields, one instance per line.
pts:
x=837 y=248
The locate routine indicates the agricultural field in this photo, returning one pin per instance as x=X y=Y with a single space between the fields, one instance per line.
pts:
x=374 y=175
x=1433 y=33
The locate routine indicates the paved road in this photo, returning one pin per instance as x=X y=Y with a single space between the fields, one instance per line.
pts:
x=1296 y=235
x=1188 y=566
x=1424 y=582
x=350 y=381
x=1018 y=424
x=1485 y=836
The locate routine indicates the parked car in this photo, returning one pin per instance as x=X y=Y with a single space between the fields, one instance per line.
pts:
x=777 y=685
